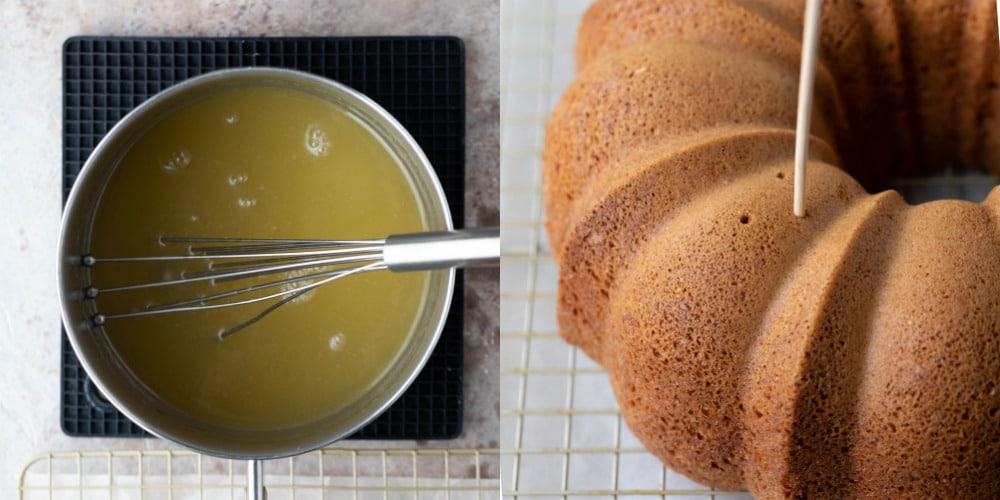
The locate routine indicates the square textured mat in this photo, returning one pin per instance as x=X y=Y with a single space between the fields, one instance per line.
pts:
x=419 y=80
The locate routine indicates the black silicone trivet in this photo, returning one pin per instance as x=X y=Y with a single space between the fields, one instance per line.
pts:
x=419 y=80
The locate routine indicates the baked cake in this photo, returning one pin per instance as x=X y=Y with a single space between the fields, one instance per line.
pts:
x=851 y=353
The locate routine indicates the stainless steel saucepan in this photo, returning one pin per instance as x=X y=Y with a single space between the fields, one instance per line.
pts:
x=127 y=392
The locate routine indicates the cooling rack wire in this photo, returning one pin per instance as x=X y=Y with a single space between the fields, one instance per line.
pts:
x=323 y=474
x=561 y=433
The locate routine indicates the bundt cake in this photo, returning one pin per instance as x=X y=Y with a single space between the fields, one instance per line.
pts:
x=851 y=353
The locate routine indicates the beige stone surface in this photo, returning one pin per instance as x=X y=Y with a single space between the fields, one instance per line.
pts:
x=30 y=180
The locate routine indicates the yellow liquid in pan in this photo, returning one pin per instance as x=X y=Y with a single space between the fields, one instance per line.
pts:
x=257 y=162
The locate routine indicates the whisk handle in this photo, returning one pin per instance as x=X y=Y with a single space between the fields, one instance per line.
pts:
x=478 y=247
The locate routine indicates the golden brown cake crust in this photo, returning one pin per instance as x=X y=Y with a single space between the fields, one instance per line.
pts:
x=853 y=353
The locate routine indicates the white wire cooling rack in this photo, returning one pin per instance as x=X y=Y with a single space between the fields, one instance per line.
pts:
x=422 y=474
x=561 y=433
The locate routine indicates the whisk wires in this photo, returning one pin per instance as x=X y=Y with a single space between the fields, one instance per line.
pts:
x=307 y=263
x=301 y=265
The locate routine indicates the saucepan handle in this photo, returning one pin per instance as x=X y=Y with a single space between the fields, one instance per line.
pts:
x=255 y=481
x=478 y=247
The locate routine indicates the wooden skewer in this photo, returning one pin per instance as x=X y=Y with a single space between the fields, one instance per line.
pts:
x=807 y=77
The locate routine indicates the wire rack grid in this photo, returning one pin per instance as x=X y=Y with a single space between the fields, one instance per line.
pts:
x=561 y=433
x=323 y=474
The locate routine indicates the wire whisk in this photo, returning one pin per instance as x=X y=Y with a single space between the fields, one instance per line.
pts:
x=306 y=263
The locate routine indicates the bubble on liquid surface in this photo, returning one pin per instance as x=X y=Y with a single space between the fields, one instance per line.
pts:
x=246 y=202
x=295 y=285
x=194 y=217
x=236 y=179
x=177 y=161
x=233 y=118
x=337 y=342
x=317 y=143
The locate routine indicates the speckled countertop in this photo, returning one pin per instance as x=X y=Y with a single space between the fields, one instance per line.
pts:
x=30 y=146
